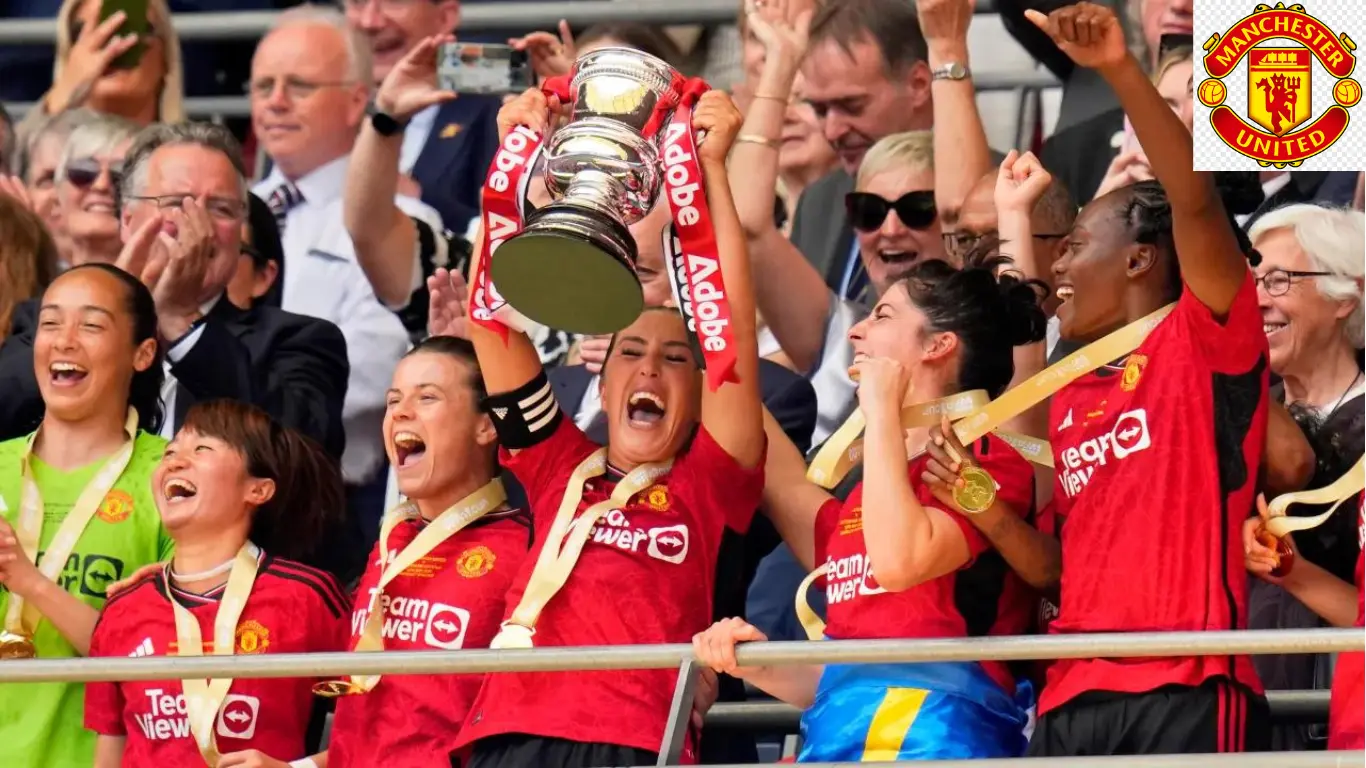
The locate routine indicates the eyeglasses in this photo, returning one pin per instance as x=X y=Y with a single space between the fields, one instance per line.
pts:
x=221 y=208
x=85 y=171
x=296 y=88
x=1277 y=281
x=960 y=243
x=867 y=211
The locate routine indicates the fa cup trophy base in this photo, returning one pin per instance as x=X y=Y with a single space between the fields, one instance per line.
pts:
x=565 y=282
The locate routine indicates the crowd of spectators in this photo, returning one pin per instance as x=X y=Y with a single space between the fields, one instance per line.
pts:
x=255 y=398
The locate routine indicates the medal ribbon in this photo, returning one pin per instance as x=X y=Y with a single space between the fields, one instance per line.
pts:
x=812 y=623
x=566 y=539
x=693 y=257
x=21 y=618
x=833 y=461
x=204 y=698
x=450 y=522
x=1340 y=490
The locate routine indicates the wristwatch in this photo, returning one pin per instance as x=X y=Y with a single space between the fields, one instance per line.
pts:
x=951 y=71
x=384 y=123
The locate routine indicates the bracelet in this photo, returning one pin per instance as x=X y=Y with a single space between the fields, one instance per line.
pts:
x=783 y=99
x=754 y=138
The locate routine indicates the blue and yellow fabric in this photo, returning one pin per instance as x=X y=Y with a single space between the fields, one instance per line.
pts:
x=887 y=712
x=935 y=711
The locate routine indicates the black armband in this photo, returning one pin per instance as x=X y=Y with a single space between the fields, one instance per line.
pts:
x=525 y=416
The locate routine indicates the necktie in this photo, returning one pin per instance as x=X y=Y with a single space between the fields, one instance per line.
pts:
x=284 y=198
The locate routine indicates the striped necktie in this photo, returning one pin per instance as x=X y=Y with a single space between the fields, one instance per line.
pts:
x=281 y=201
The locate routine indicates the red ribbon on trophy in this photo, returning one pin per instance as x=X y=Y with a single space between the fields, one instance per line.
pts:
x=504 y=196
x=693 y=260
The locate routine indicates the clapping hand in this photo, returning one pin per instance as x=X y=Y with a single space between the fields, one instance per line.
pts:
x=1020 y=183
x=447 y=313
x=549 y=56
x=784 y=35
x=170 y=253
x=411 y=86
x=1088 y=33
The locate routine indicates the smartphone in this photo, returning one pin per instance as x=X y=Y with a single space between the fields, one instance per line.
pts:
x=481 y=68
x=134 y=23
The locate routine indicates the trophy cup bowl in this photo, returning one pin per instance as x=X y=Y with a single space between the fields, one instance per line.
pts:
x=572 y=266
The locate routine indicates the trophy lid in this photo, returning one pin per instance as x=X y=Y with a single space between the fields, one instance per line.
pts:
x=632 y=64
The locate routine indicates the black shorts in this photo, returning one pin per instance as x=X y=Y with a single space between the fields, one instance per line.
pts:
x=517 y=750
x=1218 y=716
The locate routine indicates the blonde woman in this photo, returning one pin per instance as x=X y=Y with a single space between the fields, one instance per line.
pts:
x=85 y=73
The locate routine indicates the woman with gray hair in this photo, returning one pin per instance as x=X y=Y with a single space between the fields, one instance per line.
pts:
x=87 y=181
x=1310 y=291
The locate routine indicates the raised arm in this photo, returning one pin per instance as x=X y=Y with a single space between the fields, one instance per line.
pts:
x=792 y=295
x=907 y=542
x=73 y=618
x=790 y=500
x=512 y=363
x=961 y=154
x=733 y=413
x=1212 y=264
x=385 y=238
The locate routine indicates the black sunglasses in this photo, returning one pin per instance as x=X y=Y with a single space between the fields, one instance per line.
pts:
x=867 y=211
x=84 y=171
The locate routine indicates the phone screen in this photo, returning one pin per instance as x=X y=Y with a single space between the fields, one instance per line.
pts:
x=135 y=23
x=480 y=68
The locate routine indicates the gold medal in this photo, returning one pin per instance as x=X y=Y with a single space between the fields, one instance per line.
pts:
x=335 y=689
x=977 y=493
x=16 y=646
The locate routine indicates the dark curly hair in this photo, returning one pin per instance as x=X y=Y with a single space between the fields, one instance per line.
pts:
x=990 y=309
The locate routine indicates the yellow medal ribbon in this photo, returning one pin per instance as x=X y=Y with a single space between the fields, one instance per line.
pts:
x=204 y=698
x=815 y=628
x=21 y=619
x=1279 y=524
x=450 y=522
x=565 y=542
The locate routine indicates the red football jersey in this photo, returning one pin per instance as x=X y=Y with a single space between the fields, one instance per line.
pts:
x=645 y=576
x=451 y=598
x=1156 y=464
x=292 y=609
x=1347 y=708
x=984 y=597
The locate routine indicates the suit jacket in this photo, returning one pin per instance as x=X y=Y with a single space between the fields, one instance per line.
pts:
x=792 y=401
x=456 y=158
x=820 y=230
x=291 y=366
x=1324 y=187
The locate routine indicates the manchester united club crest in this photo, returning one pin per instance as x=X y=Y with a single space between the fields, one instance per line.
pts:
x=252 y=637
x=116 y=507
x=1280 y=48
x=657 y=497
x=475 y=562
x=1133 y=371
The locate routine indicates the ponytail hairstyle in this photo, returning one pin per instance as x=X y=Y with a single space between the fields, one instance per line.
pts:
x=144 y=392
x=990 y=313
x=309 y=498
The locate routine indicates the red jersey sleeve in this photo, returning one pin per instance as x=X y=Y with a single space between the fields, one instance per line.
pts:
x=1230 y=346
x=719 y=482
x=543 y=467
x=103 y=701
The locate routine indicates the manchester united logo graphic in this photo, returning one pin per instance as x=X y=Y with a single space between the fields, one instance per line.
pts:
x=658 y=498
x=252 y=637
x=475 y=562
x=116 y=507
x=1133 y=371
x=1279 y=127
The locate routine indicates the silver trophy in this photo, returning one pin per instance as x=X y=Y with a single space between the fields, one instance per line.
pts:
x=573 y=265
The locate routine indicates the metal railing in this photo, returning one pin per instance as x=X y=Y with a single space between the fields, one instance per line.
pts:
x=474 y=17
x=1240 y=760
x=667 y=656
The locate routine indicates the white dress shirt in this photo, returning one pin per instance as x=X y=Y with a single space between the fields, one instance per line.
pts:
x=415 y=138
x=174 y=354
x=323 y=280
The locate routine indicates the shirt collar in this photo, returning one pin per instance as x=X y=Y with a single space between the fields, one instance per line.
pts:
x=322 y=184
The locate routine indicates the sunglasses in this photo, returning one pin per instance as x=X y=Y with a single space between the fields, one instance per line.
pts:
x=867 y=211
x=85 y=171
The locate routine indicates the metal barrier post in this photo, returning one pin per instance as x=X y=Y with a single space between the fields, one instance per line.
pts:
x=680 y=715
